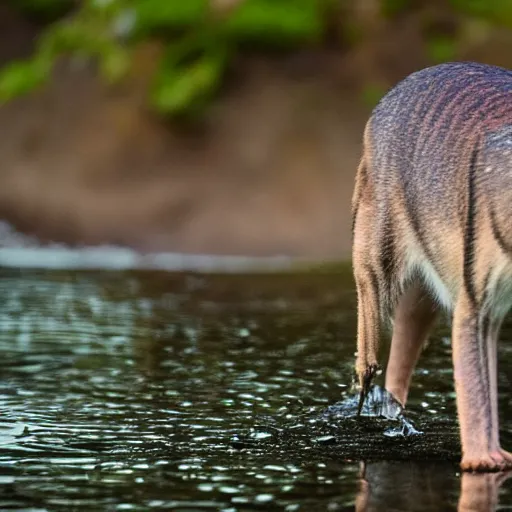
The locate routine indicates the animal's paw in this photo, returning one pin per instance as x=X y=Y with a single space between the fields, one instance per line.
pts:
x=499 y=460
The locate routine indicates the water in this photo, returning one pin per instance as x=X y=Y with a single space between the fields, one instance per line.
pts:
x=154 y=391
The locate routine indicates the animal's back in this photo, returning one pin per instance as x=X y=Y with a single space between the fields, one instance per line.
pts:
x=425 y=130
x=435 y=115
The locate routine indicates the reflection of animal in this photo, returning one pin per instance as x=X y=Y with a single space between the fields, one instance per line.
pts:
x=424 y=487
x=432 y=214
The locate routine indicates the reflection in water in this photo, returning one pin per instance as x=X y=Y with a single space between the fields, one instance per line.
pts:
x=406 y=486
x=147 y=391
x=479 y=492
x=415 y=487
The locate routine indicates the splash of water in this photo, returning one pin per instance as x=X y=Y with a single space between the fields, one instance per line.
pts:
x=379 y=403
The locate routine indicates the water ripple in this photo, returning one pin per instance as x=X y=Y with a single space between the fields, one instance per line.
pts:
x=146 y=391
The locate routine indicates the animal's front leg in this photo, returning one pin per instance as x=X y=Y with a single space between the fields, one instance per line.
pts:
x=367 y=333
x=415 y=314
x=474 y=362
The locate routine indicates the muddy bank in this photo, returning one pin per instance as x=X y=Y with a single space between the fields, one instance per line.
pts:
x=269 y=171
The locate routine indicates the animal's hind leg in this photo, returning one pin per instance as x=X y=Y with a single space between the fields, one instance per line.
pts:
x=475 y=382
x=491 y=333
x=415 y=314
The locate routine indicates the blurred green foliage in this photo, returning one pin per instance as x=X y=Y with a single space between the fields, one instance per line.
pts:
x=495 y=11
x=393 y=7
x=200 y=38
x=441 y=48
x=372 y=93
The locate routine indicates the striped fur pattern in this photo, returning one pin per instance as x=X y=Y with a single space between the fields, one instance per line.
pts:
x=432 y=229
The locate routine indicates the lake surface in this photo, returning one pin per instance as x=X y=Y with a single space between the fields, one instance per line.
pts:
x=186 y=392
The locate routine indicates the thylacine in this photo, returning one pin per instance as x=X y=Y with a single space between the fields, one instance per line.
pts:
x=432 y=228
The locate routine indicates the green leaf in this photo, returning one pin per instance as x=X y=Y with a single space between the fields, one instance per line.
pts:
x=178 y=89
x=20 y=78
x=276 y=21
x=114 y=63
x=154 y=14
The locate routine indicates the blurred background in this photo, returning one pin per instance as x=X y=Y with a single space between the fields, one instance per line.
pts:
x=208 y=126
